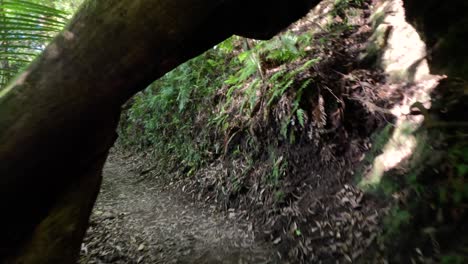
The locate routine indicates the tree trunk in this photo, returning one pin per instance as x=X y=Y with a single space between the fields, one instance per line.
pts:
x=444 y=27
x=58 y=118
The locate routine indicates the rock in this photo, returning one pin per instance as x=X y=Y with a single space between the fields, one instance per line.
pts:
x=141 y=247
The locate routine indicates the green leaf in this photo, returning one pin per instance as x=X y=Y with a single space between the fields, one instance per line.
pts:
x=298 y=232
x=25 y=27
x=300 y=113
x=462 y=169
x=243 y=56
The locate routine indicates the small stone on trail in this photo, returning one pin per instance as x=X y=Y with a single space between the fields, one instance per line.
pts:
x=141 y=247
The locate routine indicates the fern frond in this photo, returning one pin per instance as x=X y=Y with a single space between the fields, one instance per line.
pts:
x=300 y=113
x=25 y=28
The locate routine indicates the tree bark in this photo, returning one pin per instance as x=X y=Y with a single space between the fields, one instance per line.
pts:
x=58 y=118
x=444 y=27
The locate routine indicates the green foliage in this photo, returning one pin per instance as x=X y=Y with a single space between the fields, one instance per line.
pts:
x=198 y=111
x=279 y=168
x=25 y=29
x=453 y=259
x=455 y=191
x=69 y=6
x=284 y=79
x=214 y=90
x=284 y=48
x=301 y=117
x=278 y=51
x=165 y=116
x=297 y=232
x=395 y=221
x=280 y=83
x=435 y=194
x=279 y=196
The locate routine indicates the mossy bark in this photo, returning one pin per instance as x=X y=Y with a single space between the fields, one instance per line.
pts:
x=58 y=118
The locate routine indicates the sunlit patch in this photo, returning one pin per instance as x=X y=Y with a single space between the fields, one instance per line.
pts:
x=404 y=54
x=5 y=91
x=68 y=35
x=403 y=59
x=19 y=81
x=317 y=19
x=400 y=146
x=52 y=51
x=22 y=78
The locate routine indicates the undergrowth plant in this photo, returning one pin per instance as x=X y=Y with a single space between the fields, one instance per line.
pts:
x=433 y=191
x=214 y=89
x=163 y=116
x=253 y=82
x=221 y=89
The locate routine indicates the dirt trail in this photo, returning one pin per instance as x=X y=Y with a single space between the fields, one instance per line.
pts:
x=137 y=222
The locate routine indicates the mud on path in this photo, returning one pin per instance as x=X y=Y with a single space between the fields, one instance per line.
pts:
x=136 y=221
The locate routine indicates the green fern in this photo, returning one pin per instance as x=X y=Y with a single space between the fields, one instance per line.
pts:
x=300 y=113
x=25 y=28
x=283 y=49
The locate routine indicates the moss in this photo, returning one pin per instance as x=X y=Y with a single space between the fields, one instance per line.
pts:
x=378 y=41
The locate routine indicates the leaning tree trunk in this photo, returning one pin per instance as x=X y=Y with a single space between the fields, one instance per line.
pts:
x=58 y=118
